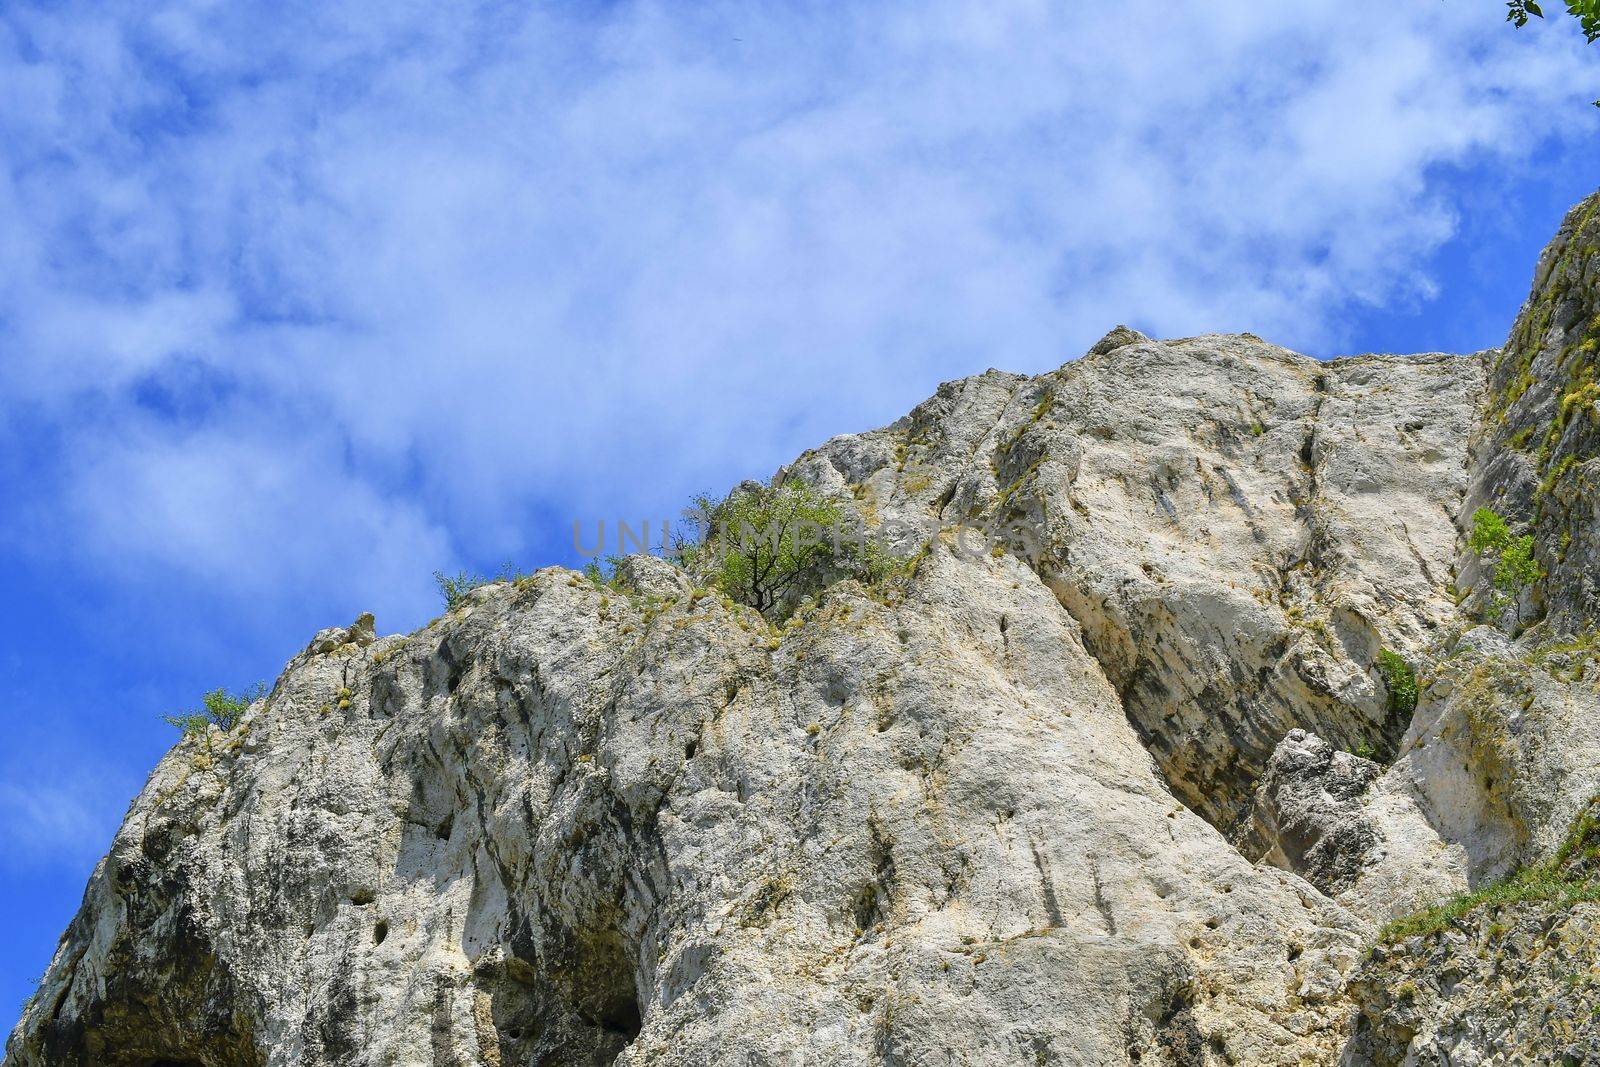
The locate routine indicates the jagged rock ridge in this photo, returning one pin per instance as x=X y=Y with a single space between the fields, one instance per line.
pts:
x=1129 y=788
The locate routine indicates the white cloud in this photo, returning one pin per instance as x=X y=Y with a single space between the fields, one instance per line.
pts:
x=443 y=273
x=252 y=507
x=55 y=817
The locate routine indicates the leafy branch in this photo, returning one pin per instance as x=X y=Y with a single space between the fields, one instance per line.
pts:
x=1587 y=12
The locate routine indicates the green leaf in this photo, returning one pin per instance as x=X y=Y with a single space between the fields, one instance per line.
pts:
x=221 y=709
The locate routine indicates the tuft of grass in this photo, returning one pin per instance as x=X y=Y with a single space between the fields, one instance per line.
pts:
x=455 y=587
x=1047 y=400
x=1567 y=879
x=1566 y=661
x=602 y=574
x=1536 y=884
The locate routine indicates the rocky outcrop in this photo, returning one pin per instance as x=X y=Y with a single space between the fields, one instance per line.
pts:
x=1237 y=529
x=1083 y=788
x=1537 y=457
x=1503 y=755
x=1308 y=816
x=1513 y=981
x=1517 y=988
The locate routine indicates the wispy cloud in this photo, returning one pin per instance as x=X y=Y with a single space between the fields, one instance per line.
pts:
x=337 y=293
x=63 y=816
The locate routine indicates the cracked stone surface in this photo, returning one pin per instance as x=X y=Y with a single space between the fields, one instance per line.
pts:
x=1516 y=984
x=1308 y=816
x=1236 y=528
x=1082 y=791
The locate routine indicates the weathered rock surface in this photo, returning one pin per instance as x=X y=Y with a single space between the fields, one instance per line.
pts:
x=1503 y=753
x=1537 y=457
x=1308 y=816
x=1081 y=791
x=1236 y=528
x=1514 y=984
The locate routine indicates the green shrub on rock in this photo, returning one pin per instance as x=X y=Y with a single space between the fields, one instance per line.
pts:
x=1401 y=680
x=219 y=708
x=768 y=546
x=1515 y=567
x=454 y=588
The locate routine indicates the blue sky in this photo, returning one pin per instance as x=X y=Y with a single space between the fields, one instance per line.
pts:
x=300 y=303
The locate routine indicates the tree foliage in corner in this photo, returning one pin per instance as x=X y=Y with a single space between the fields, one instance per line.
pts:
x=1587 y=12
x=766 y=547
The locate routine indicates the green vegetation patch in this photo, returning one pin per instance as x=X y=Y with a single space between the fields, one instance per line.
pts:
x=455 y=587
x=1515 y=567
x=1567 y=879
x=1566 y=660
x=218 y=708
x=765 y=547
x=1401 y=680
x=1587 y=12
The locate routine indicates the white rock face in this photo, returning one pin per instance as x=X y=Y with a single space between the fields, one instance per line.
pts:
x=1086 y=798
x=1237 y=529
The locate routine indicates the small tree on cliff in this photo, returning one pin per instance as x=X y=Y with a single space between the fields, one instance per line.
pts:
x=766 y=547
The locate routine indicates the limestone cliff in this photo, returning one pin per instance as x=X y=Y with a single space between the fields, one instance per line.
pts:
x=1130 y=786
